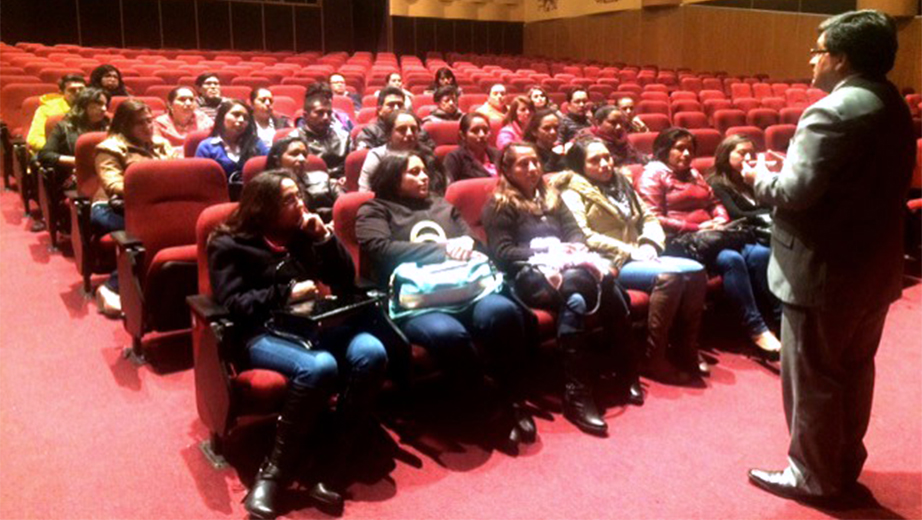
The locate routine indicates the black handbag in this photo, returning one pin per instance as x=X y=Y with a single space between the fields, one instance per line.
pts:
x=704 y=245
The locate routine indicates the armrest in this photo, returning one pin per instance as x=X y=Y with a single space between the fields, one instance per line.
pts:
x=207 y=308
x=125 y=241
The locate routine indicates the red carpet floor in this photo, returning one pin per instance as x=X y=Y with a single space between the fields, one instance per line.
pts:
x=85 y=434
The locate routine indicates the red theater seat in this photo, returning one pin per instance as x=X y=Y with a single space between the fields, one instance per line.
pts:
x=754 y=133
x=762 y=117
x=724 y=119
x=778 y=137
x=91 y=254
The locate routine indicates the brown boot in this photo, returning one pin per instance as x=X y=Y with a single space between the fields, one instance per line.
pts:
x=688 y=324
x=665 y=299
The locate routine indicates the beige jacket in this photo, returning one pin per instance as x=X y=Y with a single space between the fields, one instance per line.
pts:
x=607 y=229
x=113 y=157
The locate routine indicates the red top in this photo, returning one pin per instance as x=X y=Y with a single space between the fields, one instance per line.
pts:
x=679 y=202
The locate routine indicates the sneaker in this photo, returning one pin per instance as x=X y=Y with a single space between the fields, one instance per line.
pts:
x=108 y=302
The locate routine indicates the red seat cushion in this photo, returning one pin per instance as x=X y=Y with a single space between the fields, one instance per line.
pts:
x=260 y=390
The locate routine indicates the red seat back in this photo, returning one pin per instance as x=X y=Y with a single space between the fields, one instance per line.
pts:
x=655 y=122
x=443 y=132
x=778 y=137
x=691 y=120
x=156 y=104
x=754 y=133
x=643 y=141
x=253 y=167
x=707 y=139
x=353 y=168
x=163 y=200
x=790 y=115
x=85 y=162
x=210 y=218
x=345 y=210
x=724 y=119
x=12 y=100
x=762 y=117
x=470 y=196
x=193 y=139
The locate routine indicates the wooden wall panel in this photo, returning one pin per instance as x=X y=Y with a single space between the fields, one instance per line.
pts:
x=702 y=38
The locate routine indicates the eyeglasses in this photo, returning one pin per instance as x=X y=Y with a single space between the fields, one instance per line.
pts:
x=814 y=52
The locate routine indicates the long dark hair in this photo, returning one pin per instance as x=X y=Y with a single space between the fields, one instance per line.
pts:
x=102 y=70
x=77 y=114
x=466 y=121
x=274 y=157
x=260 y=206
x=576 y=162
x=722 y=173
x=507 y=194
x=385 y=180
x=443 y=72
x=667 y=139
x=512 y=115
x=531 y=131
x=125 y=116
x=249 y=139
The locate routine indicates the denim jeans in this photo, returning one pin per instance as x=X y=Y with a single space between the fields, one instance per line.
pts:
x=495 y=322
x=361 y=356
x=745 y=276
x=104 y=220
x=641 y=275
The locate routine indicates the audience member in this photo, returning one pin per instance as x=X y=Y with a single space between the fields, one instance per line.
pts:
x=495 y=108
x=726 y=179
x=446 y=99
x=403 y=131
x=444 y=77
x=131 y=139
x=330 y=143
x=636 y=125
x=267 y=121
x=388 y=229
x=684 y=203
x=272 y=253
x=233 y=139
x=579 y=114
x=540 y=99
x=182 y=117
x=610 y=126
x=620 y=227
x=542 y=132
x=338 y=86
x=209 y=92
x=517 y=118
x=88 y=114
x=374 y=134
x=395 y=80
x=474 y=157
x=69 y=86
x=109 y=79
x=340 y=118
x=320 y=191
x=526 y=217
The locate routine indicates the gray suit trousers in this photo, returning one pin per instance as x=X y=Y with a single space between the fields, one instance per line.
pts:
x=827 y=375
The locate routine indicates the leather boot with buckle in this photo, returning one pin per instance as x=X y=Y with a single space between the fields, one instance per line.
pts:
x=578 y=404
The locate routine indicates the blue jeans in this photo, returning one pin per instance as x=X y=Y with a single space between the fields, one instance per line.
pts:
x=641 y=275
x=745 y=275
x=104 y=220
x=361 y=356
x=495 y=322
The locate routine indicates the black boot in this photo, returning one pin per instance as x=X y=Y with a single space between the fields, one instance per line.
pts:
x=578 y=404
x=302 y=406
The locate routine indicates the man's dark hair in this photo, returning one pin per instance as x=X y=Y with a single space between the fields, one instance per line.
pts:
x=316 y=97
x=667 y=139
x=574 y=90
x=319 y=87
x=602 y=113
x=203 y=77
x=442 y=92
x=389 y=91
x=70 y=78
x=867 y=38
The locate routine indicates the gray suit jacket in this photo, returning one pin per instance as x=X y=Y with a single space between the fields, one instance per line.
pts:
x=837 y=239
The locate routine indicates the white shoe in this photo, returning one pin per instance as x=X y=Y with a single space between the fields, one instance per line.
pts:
x=108 y=302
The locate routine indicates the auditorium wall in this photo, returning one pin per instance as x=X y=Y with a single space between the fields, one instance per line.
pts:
x=705 y=38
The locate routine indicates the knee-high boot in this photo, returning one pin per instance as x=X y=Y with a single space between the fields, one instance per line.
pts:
x=578 y=403
x=688 y=324
x=665 y=300
x=299 y=414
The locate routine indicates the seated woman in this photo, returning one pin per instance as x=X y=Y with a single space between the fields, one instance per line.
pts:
x=109 y=79
x=267 y=121
x=272 y=252
x=319 y=189
x=88 y=114
x=684 y=203
x=619 y=226
x=233 y=139
x=541 y=101
x=610 y=125
x=525 y=208
x=542 y=132
x=515 y=121
x=182 y=117
x=444 y=77
x=209 y=90
x=131 y=139
x=474 y=157
x=402 y=128
x=726 y=180
x=388 y=229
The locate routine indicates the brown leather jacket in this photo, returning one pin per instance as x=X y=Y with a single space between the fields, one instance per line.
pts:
x=113 y=157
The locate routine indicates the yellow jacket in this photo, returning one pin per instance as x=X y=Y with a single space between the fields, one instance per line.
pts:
x=52 y=104
x=608 y=230
x=116 y=154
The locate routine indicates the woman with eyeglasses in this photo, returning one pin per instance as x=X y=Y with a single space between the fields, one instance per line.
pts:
x=271 y=253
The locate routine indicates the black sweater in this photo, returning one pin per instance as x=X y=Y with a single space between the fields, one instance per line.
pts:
x=461 y=164
x=738 y=206
x=509 y=232
x=385 y=231
x=251 y=279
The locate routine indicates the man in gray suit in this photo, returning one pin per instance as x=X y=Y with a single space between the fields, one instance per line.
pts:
x=837 y=251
